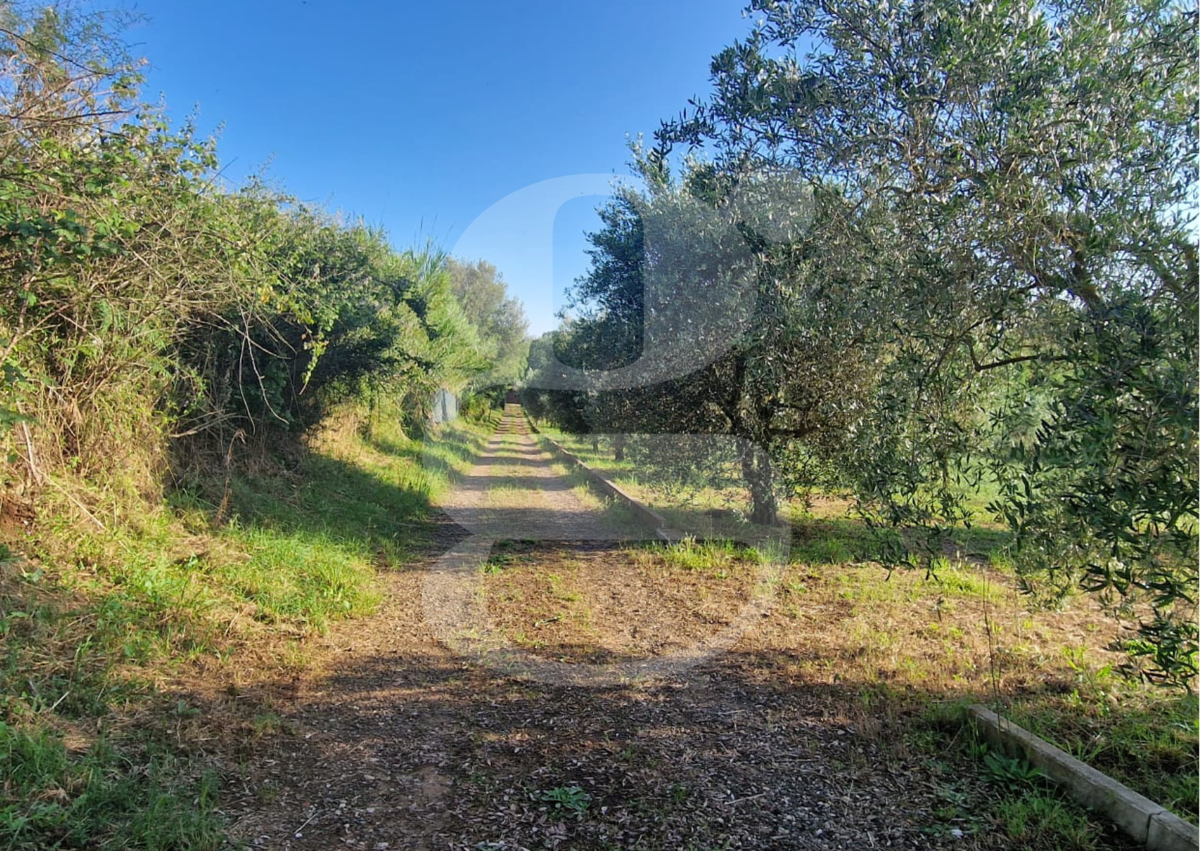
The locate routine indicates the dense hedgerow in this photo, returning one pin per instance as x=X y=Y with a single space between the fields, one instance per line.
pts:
x=144 y=303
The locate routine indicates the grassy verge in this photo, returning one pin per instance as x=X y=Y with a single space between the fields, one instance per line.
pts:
x=916 y=650
x=102 y=608
x=1148 y=741
x=1030 y=810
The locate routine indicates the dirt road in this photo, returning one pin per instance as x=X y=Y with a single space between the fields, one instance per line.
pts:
x=399 y=742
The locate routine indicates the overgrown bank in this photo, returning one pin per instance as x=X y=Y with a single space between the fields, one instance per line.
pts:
x=212 y=400
x=101 y=738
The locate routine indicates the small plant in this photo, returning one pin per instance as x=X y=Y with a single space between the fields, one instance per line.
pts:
x=1037 y=819
x=978 y=750
x=496 y=563
x=571 y=800
x=1011 y=770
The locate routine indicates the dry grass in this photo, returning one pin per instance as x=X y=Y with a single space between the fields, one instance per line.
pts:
x=966 y=632
x=605 y=605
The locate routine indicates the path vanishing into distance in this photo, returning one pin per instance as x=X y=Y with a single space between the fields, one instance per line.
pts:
x=398 y=741
x=514 y=491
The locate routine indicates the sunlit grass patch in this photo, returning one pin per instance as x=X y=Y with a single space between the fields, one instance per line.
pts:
x=307 y=578
x=960 y=581
x=138 y=796
x=717 y=556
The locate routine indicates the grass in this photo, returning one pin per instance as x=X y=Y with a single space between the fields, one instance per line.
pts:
x=1145 y=740
x=963 y=633
x=1018 y=798
x=1008 y=793
x=717 y=557
x=131 y=794
x=96 y=610
x=1037 y=817
x=917 y=649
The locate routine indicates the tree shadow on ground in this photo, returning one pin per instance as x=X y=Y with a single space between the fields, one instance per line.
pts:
x=822 y=728
x=386 y=508
x=735 y=753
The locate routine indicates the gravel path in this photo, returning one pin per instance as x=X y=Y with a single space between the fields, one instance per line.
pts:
x=398 y=742
x=514 y=492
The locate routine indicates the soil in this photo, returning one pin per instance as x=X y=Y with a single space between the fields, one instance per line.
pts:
x=396 y=741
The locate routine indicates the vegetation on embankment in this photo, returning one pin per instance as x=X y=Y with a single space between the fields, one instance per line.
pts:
x=211 y=405
x=97 y=624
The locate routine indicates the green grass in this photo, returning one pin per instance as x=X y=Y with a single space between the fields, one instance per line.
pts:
x=716 y=556
x=985 y=792
x=127 y=795
x=1149 y=744
x=310 y=579
x=1042 y=818
x=831 y=541
x=91 y=617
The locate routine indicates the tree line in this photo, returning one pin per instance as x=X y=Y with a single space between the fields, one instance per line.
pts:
x=152 y=315
x=966 y=236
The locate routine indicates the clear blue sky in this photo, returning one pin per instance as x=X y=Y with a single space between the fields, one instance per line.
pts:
x=420 y=117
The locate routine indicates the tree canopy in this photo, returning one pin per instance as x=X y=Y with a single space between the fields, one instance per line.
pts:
x=498 y=317
x=146 y=301
x=994 y=290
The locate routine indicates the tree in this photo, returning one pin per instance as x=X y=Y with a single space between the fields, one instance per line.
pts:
x=702 y=256
x=1019 y=192
x=144 y=301
x=498 y=317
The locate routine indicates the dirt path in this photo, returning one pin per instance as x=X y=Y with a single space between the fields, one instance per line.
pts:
x=514 y=492
x=399 y=743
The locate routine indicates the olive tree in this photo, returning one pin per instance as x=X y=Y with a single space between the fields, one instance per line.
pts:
x=717 y=257
x=1019 y=192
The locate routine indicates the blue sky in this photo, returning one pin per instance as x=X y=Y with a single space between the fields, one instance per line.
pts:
x=420 y=117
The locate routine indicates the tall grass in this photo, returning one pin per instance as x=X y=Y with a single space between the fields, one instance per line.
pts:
x=93 y=617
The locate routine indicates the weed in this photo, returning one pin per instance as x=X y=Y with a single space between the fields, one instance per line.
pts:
x=1147 y=741
x=569 y=800
x=822 y=551
x=1011 y=770
x=715 y=556
x=1041 y=819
